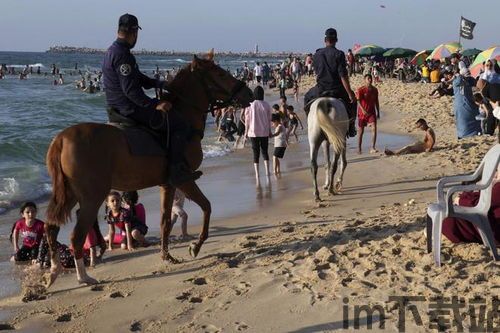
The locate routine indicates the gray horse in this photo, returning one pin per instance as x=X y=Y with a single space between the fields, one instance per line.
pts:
x=327 y=124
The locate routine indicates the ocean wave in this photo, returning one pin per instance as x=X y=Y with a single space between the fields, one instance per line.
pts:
x=31 y=65
x=211 y=151
x=13 y=192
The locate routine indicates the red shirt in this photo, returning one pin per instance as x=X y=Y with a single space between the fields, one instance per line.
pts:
x=140 y=212
x=368 y=98
x=120 y=219
x=31 y=235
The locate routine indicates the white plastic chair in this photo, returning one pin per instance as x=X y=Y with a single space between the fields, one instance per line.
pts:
x=477 y=215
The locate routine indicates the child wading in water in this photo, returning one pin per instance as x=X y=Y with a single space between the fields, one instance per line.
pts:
x=279 y=142
x=294 y=123
x=31 y=231
x=118 y=216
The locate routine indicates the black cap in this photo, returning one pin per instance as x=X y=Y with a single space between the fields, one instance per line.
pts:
x=128 y=22
x=331 y=33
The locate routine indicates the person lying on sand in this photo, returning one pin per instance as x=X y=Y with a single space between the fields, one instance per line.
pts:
x=417 y=147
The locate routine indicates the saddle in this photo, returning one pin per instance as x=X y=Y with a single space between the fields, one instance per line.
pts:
x=326 y=93
x=141 y=140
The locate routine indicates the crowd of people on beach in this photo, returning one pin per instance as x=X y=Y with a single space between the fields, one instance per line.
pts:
x=475 y=110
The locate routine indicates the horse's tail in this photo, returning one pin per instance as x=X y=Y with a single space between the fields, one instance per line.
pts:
x=333 y=129
x=59 y=209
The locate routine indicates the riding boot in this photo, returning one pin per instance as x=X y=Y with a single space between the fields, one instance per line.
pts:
x=351 y=112
x=179 y=170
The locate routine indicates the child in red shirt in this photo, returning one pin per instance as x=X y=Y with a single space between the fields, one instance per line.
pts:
x=117 y=216
x=368 y=111
x=31 y=231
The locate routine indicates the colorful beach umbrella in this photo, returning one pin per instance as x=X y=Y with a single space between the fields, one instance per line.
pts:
x=470 y=52
x=399 y=52
x=444 y=51
x=420 y=57
x=477 y=65
x=369 y=50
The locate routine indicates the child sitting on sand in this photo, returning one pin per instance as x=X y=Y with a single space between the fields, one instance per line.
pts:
x=418 y=147
x=31 y=231
x=179 y=212
x=280 y=142
x=138 y=227
x=117 y=216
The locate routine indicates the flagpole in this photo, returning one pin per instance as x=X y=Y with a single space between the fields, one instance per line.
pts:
x=460 y=32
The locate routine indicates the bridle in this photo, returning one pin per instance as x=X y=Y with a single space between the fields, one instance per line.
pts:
x=208 y=85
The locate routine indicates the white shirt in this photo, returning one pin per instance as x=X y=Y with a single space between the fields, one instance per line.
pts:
x=258 y=70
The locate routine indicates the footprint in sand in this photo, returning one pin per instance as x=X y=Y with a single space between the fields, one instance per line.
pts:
x=6 y=327
x=116 y=294
x=64 y=318
x=195 y=299
x=241 y=326
x=199 y=281
x=210 y=329
x=183 y=296
x=242 y=288
x=136 y=326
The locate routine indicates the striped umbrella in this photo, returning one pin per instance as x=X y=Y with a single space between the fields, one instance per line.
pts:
x=399 y=52
x=477 y=65
x=369 y=50
x=420 y=57
x=444 y=51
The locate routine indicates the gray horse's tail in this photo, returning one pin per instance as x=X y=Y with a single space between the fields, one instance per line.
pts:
x=334 y=130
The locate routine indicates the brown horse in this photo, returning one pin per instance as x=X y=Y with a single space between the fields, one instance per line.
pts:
x=87 y=160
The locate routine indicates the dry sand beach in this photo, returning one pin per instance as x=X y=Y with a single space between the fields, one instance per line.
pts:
x=295 y=265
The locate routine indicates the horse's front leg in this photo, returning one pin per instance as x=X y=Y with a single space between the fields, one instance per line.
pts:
x=343 y=166
x=167 y=199
x=328 y=164
x=55 y=265
x=193 y=192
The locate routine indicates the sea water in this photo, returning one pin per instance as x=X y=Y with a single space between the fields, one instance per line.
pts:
x=33 y=111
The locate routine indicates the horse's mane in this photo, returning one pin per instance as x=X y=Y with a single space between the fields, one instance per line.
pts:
x=187 y=70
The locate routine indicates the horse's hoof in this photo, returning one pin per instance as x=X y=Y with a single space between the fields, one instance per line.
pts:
x=317 y=199
x=325 y=187
x=338 y=187
x=88 y=281
x=194 y=249
x=168 y=257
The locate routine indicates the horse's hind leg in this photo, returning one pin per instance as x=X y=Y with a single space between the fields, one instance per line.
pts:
x=328 y=164
x=193 y=192
x=55 y=266
x=89 y=206
x=343 y=166
x=314 y=147
x=167 y=200
x=331 y=191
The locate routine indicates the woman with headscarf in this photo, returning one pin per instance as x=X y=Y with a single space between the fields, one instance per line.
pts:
x=258 y=129
x=464 y=107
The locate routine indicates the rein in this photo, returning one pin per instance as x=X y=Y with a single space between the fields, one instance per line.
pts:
x=213 y=103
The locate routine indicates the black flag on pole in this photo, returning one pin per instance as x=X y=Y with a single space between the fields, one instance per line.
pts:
x=466 y=28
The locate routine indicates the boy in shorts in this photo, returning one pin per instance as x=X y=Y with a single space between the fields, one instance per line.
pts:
x=280 y=139
x=368 y=111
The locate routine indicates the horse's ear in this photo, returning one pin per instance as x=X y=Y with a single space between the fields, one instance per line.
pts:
x=194 y=62
x=210 y=55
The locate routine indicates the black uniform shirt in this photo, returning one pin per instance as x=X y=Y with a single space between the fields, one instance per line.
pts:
x=329 y=66
x=123 y=82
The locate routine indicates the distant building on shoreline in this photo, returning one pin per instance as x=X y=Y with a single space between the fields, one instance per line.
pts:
x=256 y=54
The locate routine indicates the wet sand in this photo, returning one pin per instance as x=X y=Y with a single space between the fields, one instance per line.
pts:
x=287 y=263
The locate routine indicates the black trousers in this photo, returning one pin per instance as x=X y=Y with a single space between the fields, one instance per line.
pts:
x=176 y=127
x=259 y=145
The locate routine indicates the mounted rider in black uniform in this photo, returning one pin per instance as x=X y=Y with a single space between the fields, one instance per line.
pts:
x=332 y=79
x=124 y=85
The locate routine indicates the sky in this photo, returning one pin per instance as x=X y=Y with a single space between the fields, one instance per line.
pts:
x=237 y=25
